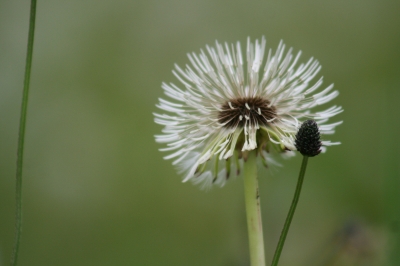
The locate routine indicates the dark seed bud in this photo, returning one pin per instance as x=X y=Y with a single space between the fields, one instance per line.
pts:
x=307 y=139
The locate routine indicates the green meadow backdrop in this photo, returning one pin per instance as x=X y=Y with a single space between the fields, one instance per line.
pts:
x=96 y=190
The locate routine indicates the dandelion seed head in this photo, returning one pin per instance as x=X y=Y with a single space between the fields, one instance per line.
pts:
x=232 y=101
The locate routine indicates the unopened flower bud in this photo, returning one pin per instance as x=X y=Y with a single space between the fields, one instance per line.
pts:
x=307 y=139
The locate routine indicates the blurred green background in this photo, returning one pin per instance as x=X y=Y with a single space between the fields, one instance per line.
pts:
x=96 y=190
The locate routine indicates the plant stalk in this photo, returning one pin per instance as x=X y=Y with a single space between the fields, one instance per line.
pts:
x=252 y=201
x=291 y=212
x=21 y=134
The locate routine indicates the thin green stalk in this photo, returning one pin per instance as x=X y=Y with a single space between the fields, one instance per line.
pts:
x=21 y=135
x=252 y=201
x=291 y=212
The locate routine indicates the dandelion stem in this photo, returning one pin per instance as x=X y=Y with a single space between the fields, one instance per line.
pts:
x=252 y=201
x=291 y=213
x=21 y=135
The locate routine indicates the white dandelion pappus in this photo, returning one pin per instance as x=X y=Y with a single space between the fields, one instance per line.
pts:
x=230 y=106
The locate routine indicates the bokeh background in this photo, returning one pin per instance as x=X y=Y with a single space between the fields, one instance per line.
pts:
x=96 y=190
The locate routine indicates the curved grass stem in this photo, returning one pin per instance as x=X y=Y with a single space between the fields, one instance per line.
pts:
x=291 y=213
x=21 y=134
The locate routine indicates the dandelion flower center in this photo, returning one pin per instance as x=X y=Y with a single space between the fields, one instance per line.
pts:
x=252 y=111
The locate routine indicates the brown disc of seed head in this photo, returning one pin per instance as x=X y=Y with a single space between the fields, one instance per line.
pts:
x=254 y=110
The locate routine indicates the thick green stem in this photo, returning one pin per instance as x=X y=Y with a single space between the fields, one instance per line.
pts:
x=291 y=212
x=21 y=135
x=253 y=213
